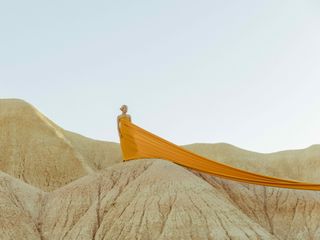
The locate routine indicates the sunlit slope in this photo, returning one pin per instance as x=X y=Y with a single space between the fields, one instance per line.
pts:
x=97 y=154
x=37 y=151
x=156 y=199
x=147 y=199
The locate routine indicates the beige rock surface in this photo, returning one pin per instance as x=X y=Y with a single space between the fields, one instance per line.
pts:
x=61 y=185
x=287 y=214
x=37 y=151
x=18 y=209
x=146 y=199
x=97 y=154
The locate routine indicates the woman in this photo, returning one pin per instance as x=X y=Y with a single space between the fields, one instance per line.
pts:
x=124 y=110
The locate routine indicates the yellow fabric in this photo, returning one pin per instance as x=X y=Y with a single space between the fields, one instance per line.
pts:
x=137 y=143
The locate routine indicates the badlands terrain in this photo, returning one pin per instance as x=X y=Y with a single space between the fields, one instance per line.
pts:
x=55 y=184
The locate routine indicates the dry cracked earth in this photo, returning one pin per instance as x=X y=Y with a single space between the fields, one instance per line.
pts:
x=56 y=184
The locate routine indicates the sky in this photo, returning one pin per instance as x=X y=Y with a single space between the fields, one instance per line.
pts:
x=242 y=72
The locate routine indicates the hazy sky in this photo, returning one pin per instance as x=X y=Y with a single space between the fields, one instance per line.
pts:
x=242 y=72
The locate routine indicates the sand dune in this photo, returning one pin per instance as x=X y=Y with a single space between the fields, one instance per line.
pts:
x=56 y=184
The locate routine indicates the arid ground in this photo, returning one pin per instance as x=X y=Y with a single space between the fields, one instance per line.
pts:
x=56 y=184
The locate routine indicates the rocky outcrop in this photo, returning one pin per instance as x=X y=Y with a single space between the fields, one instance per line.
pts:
x=147 y=199
x=56 y=184
x=285 y=213
x=40 y=153
x=19 y=209
x=97 y=154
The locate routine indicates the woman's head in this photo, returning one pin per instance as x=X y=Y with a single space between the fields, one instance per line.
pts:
x=124 y=108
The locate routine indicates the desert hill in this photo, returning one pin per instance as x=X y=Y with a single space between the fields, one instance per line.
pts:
x=156 y=199
x=147 y=199
x=37 y=151
x=18 y=209
x=55 y=184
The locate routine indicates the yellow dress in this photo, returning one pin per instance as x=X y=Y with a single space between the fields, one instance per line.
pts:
x=137 y=143
x=128 y=145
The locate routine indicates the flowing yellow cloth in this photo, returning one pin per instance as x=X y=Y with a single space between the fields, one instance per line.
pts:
x=137 y=143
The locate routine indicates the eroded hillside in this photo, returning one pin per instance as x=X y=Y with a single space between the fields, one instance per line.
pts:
x=56 y=184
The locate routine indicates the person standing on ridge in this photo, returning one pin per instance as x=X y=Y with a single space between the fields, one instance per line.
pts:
x=124 y=110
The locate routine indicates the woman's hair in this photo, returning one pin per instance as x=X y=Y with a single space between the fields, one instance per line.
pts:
x=124 y=107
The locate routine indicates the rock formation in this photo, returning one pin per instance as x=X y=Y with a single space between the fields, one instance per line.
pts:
x=56 y=184
x=40 y=153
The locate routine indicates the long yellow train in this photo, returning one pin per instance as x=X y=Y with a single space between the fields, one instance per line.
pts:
x=137 y=143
